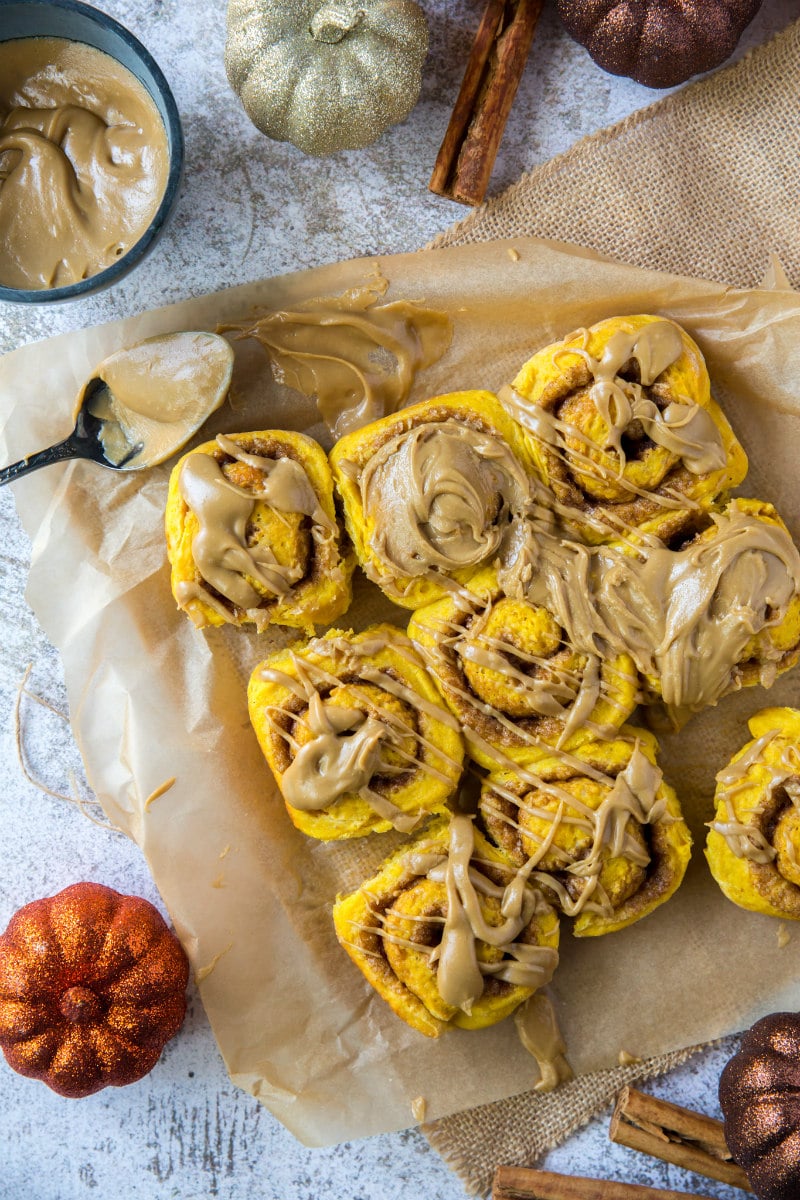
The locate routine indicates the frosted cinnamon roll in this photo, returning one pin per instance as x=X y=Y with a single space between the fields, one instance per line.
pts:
x=598 y=830
x=252 y=533
x=700 y=617
x=448 y=932
x=508 y=671
x=753 y=845
x=433 y=493
x=627 y=436
x=355 y=733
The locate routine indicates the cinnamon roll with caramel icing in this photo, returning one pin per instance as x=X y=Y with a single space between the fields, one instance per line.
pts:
x=598 y=830
x=252 y=533
x=355 y=733
x=700 y=617
x=448 y=932
x=508 y=671
x=627 y=436
x=432 y=493
x=753 y=845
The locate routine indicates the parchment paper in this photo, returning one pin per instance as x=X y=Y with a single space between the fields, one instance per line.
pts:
x=151 y=698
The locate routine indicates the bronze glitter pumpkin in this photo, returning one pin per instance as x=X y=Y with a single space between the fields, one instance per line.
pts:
x=759 y=1092
x=658 y=42
x=92 y=987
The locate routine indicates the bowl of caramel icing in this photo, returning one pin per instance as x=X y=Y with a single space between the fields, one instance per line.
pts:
x=91 y=150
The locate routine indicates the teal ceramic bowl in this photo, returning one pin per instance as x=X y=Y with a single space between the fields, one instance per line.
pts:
x=80 y=23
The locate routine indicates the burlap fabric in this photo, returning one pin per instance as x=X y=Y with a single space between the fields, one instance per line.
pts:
x=705 y=182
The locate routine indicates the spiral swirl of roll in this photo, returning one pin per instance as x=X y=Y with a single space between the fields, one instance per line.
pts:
x=599 y=830
x=449 y=932
x=753 y=844
x=627 y=436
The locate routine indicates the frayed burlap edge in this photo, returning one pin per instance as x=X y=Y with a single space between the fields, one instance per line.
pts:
x=521 y=1128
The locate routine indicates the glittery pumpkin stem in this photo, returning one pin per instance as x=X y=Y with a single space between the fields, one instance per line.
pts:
x=333 y=22
x=467 y=155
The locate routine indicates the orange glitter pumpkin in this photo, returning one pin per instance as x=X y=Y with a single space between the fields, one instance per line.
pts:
x=92 y=987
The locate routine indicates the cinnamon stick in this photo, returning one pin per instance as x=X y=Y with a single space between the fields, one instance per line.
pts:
x=522 y=1183
x=675 y=1135
x=467 y=155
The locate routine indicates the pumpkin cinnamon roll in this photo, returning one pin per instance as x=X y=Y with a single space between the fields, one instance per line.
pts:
x=731 y=609
x=432 y=493
x=508 y=671
x=627 y=436
x=753 y=845
x=598 y=830
x=448 y=932
x=252 y=534
x=355 y=733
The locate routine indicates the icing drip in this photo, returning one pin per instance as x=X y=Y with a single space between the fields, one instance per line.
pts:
x=357 y=358
x=752 y=768
x=538 y=1031
x=684 y=429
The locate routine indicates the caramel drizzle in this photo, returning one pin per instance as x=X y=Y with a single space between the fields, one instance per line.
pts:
x=685 y=429
x=345 y=751
x=684 y=616
x=222 y=557
x=459 y=974
x=746 y=840
x=632 y=795
x=570 y=695
x=441 y=497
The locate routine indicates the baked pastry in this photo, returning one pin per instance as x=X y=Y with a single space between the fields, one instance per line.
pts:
x=716 y=609
x=753 y=845
x=448 y=932
x=507 y=670
x=252 y=534
x=92 y=987
x=433 y=492
x=600 y=831
x=731 y=609
x=356 y=733
x=627 y=436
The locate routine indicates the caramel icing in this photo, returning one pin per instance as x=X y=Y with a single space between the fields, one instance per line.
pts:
x=84 y=161
x=745 y=839
x=220 y=550
x=539 y=1033
x=685 y=616
x=348 y=746
x=357 y=357
x=460 y=975
x=441 y=497
x=683 y=428
x=629 y=800
x=156 y=394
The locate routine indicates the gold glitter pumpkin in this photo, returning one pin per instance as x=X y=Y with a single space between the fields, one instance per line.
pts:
x=92 y=987
x=326 y=76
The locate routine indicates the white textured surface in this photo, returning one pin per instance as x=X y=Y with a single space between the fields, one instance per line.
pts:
x=251 y=208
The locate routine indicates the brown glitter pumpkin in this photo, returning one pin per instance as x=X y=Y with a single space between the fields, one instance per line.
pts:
x=658 y=42
x=759 y=1091
x=92 y=987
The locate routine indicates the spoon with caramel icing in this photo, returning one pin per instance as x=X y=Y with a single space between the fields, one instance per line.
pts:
x=142 y=404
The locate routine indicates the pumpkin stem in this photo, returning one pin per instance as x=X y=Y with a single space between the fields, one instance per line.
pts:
x=335 y=20
x=80 y=1005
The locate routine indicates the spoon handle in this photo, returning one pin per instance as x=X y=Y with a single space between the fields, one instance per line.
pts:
x=69 y=448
